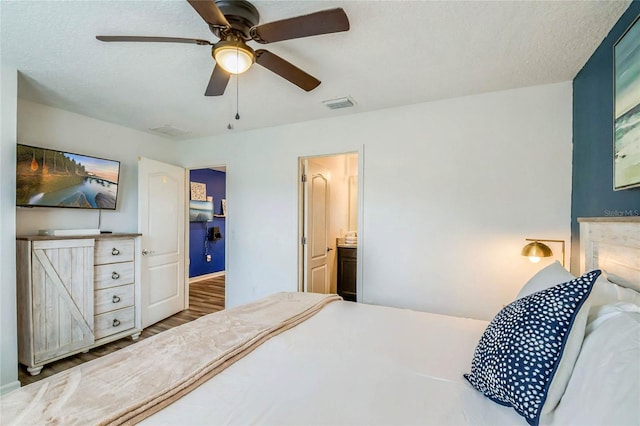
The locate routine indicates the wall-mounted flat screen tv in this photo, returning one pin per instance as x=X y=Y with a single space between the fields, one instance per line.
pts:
x=49 y=178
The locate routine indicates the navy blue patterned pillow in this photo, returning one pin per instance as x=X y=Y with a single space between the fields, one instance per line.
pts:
x=525 y=357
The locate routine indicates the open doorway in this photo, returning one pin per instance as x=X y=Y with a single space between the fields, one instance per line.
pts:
x=328 y=224
x=207 y=238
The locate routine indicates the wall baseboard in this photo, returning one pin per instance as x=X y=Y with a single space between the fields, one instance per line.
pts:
x=206 y=276
x=9 y=387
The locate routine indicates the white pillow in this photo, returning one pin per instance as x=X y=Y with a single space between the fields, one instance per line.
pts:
x=545 y=278
x=605 y=293
x=604 y=388
x=600 y=314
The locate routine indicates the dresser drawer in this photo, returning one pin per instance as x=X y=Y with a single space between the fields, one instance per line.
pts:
x=116 y=274
x=113 y=322
x=113 y=298
x=113 y=250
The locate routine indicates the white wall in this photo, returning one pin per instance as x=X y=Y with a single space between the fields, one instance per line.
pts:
x=8 y=334
x=54 y=128
x=450 y=191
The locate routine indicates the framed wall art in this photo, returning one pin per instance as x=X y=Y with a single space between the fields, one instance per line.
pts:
x=200 y=211
x=198 y=191
x=626 y=148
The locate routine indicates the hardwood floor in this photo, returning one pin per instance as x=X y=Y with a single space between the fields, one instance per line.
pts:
x=205 y=297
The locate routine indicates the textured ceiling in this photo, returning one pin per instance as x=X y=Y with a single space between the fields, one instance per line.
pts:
x=396 y=53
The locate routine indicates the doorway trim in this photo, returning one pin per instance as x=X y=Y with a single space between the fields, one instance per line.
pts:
x=187 y=234
x=301 y=218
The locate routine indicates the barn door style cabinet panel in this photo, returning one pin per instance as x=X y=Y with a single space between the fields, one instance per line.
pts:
x=74 y=294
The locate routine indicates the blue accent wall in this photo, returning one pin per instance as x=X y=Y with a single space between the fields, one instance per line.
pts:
x=198 y=244
x=592 y=187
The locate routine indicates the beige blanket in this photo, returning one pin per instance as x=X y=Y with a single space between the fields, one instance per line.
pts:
x=139 y=380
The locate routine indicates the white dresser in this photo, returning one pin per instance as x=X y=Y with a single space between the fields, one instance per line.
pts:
x=75 y=293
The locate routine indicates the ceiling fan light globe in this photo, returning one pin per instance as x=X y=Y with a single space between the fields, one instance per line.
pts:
x=234 y=60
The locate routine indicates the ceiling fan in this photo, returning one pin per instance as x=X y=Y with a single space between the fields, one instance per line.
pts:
x=235 y=22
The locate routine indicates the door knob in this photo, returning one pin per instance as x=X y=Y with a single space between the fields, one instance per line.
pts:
x=146 y=252
x=329 y=249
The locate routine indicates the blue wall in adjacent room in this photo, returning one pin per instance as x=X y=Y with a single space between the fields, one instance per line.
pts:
x=593 y=193
x=216 y=187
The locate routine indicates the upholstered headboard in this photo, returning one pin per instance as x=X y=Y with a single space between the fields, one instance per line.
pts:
x=612 y=245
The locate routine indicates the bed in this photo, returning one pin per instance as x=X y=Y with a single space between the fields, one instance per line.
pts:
x=334 y=362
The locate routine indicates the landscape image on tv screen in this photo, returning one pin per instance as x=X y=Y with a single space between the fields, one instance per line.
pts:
x=49 y=178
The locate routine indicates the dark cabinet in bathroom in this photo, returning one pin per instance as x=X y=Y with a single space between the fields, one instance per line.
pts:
x=347 y=267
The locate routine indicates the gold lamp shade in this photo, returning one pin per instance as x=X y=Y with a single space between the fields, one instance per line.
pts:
x=536 y=250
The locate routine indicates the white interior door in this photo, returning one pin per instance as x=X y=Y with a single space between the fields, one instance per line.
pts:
x=161 y=206
x=316 y=230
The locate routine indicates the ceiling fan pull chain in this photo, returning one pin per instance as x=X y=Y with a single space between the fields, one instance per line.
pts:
x=237 y=91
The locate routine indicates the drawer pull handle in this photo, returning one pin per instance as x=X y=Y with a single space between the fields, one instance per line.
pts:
x=116 y=323
x=115 y=275
x=115 y=299
x=115 y=251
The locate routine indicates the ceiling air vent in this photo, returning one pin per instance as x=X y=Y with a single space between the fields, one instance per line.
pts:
x=339 y=103
x=169 y=130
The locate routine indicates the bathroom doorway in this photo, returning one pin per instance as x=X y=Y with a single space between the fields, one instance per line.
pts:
x=207 y=237
x=328 y=203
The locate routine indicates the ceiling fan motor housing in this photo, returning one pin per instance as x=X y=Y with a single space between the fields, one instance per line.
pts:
x=240 y=14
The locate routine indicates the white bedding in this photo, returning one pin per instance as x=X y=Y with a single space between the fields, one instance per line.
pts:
x=350 y=364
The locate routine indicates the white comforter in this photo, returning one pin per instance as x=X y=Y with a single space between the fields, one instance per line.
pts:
x=350 y=364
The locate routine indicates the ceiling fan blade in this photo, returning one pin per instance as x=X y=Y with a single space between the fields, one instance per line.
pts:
x=217 y=82
x=286 y=70
x=210 y=12
x=154 y=39
x=323 y=22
